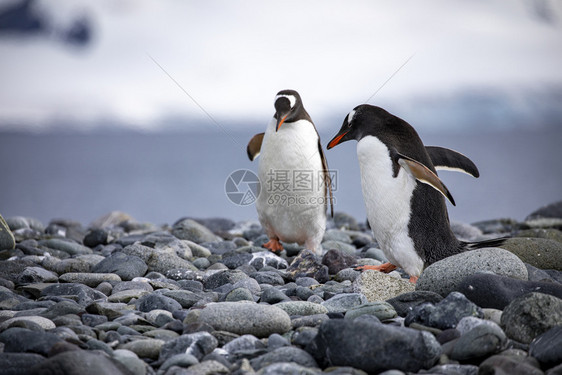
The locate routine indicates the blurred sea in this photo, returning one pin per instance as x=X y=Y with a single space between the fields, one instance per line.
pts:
x=162 y=177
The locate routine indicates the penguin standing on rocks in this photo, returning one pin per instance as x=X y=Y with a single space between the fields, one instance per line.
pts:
x=404 y=197
x=295 y=183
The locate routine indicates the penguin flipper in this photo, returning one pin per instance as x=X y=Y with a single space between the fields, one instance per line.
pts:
x=447 y=159
x=254 y=146
x=424 y=175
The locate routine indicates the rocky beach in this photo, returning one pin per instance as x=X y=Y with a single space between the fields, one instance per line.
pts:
x=201 y=296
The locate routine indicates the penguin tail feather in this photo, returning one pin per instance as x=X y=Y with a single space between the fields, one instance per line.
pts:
x=494 y=242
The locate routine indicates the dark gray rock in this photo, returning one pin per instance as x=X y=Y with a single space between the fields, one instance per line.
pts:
x=373 y=347
x=82 y=294
x=235 y=260
x=197 y=344
x=306 y=264
x=37 y=275
x=185 y=298
x=273 y=295
x=504 y=364
x=93 y=320
x=95 y=237
x=10 y=270
x=547 y=348
x=284 y=354
x=493 y=291
x=343 y=302
x=127 y=267
x=445 y=314
x=337 y=260
x=63 y=308
x=21 y=340
x=268 y=277
x=224 y=277
x=405 y=302
x=531 y=315
x=19 y=363
x=480 y=342
x=81 y=362
x=155 y=301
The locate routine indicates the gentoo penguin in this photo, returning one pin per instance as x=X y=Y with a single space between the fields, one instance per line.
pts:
x=295 y=183
x=404 y=197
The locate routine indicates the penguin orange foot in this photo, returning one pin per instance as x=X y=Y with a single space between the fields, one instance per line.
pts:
x=385 y=267
x=274 y=246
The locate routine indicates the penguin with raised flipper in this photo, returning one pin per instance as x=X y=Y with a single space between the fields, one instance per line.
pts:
x=404 y=197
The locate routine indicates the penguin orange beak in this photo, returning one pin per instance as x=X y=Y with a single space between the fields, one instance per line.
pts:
x=336 y=140
x=281 y=121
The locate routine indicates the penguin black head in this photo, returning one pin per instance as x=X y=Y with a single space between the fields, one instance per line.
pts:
x=289 y=108
x=363 y=120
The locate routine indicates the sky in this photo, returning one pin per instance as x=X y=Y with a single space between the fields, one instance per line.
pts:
x=149 y=64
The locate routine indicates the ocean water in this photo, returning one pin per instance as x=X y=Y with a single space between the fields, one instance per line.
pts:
x=160 y=178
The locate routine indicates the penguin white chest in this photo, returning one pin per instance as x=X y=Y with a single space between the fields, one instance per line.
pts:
x=388 y=203
x=291 y=204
